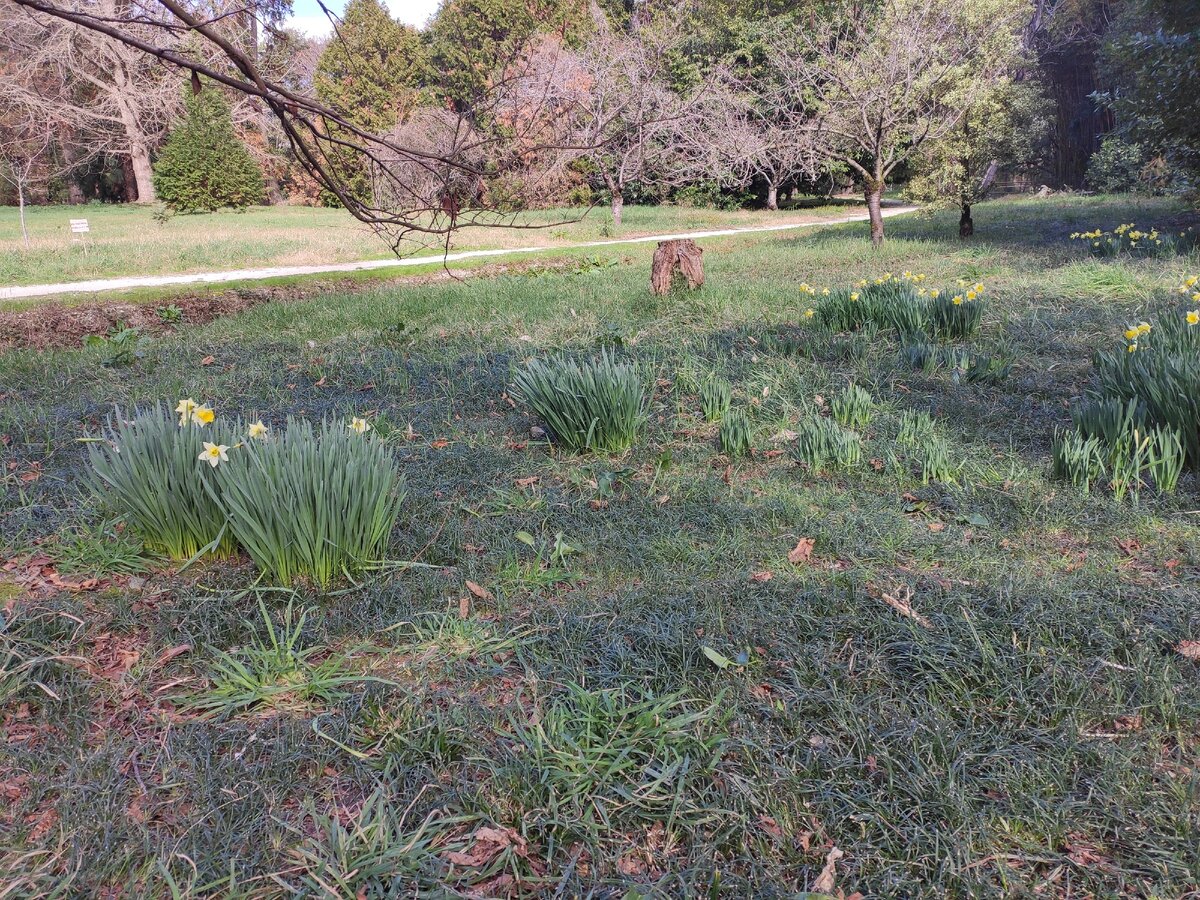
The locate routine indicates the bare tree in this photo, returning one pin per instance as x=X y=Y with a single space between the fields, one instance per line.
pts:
x=321 y=137
x=879 y=81
x=26 y=156
x=104 y=95
x=628 y=114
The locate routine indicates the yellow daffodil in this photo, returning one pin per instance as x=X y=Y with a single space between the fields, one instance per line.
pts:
x=359 y=426
x=978 y=289
x=957 y=300
x=808 y=313
x=854 y=295
x=1193 y=317
x=1131 y=334
x=1132 y=347
x=935 y=293
x=214 y=454
x=1143 y=327
x=1196 y=297
x=824 y=292
x=971 y=295
x=922 y=292
x=1191 y=281
x=257 y=430
x=202 y=415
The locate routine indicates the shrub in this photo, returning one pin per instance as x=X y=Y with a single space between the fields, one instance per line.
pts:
x=204 y=165
x=822 y=444
x=149 y=469
x=716 y=395
x=597 y=405
x=956 y=316
x=309 y=503
x=852 y=407
x=735 y=435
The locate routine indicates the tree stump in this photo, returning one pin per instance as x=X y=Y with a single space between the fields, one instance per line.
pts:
x=671 y=257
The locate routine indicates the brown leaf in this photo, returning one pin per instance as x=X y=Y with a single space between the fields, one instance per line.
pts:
x=1188 y=649
x=464 y=607
x=761 y=576
x=207 y=361
x=1129 y=547
x=935 y=527
x=802 y=551
x=479 y=591
x=440 y=444
x=828 y=878
x=598 y=504
x=489 y=843
x=877 y=464
x=320 y=383
x=770 y=826
x=526 y=482
x=169 y=654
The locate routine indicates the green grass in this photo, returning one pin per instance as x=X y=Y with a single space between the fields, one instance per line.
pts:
x=127 y=240
x=971 y=686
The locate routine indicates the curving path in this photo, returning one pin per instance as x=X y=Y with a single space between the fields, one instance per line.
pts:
x=136 y=281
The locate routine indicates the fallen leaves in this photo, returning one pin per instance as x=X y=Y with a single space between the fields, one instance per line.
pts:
x=827 y=880
x=802 y=552
x=479 y=591
x=761 y=576
x=488 y=844
x=1188 y=649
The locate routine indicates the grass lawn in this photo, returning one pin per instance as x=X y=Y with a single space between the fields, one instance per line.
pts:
x=605 y=677
x=126 y=239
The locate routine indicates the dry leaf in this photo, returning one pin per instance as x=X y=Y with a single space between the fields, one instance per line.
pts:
x=207 y=361
x=937 y=526
x=828 y=878
x=1188 y=649
x=320 y=383
x=167 y=655
x=761 y=576
x=771 y=827
x=526 y=482
x=440 y=444
x=479 y=591
x=802 y=551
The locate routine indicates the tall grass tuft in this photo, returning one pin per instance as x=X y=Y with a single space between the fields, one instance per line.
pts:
x=716 y=395
x=311 y=504
x=149 y=470
x=852 y=407
x=823 y=444
x=597 y=405
x=955 y=316
x=736 y=434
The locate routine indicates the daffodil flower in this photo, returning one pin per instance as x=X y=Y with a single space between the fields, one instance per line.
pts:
x=971 y=295
x=1131 y=334
x=1193 y=317
x=185 y=410
x=854 y=295
x=957 y=300
x=202 y=415
x=935 y=293
x=808 y=313
x=359 y=426
x=214 y=454
x=257 y=430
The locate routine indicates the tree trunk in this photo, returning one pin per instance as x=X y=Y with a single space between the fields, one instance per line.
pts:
x=618 y=202
x=966 y=225
x=684 y=257
x=772 y=195
x=21 y=206
x=143 y=174
x=874 y=194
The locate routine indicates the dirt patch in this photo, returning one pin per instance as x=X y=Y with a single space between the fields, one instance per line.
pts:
x=58 y=326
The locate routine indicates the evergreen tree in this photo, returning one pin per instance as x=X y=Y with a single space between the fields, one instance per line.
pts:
x=370 y=72
x=204 y=165
x=371 y=68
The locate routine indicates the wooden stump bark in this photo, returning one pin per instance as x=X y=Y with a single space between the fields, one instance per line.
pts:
x=684 y=257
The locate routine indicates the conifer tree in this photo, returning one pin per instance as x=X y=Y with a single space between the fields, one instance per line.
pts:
x=204 y=165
